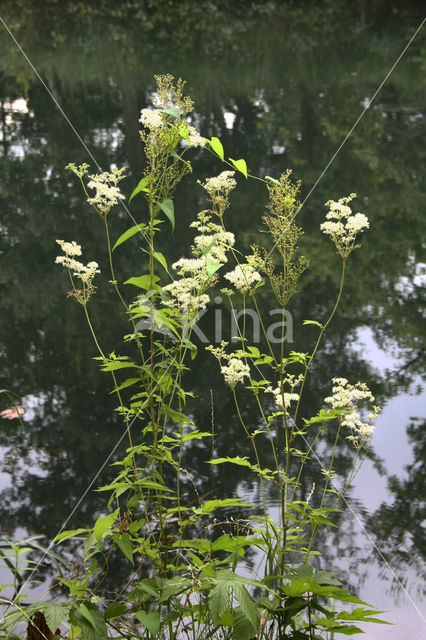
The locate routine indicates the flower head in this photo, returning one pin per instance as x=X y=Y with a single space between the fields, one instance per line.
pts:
x=342 y=226
x=85 y=273
x=349 y=396
x=235 y=371
x=152 y=119
x=221 y=184
x=107 y=192
x=243 y=277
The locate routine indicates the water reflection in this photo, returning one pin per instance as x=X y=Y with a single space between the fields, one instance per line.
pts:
x=274 y=119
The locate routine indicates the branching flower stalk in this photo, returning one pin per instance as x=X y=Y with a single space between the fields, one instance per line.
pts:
x=183 y=583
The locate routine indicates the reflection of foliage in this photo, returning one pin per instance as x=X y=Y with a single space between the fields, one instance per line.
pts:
x=399 y=527
x=213 y=28
x=307 y=110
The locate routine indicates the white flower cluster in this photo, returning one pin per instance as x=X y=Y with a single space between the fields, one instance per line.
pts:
x=152 y=119
x=283 y=398
x=278 y=396
x=348 y=396
x=85 y=273
x=243 y=277
x=342 y=226
x=213 y=242
x=70 y=248
x=236 y=369
x=187 y=296
x=194 y=139
x=221 y=184
x=107 y=193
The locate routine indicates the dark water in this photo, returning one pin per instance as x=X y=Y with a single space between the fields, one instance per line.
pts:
x=288 y=103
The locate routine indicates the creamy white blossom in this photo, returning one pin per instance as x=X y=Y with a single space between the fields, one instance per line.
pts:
x=221 y=184
x=85 y=273
x=186 y=296
x=107 y=192
x=235 y=371
x=342 y=226
x=348 y=396
x=151 y=119
x=191 y=265
x=215 y=245
x=279 y=396
x=194 y=139
x=70 y=248
x=243 y=277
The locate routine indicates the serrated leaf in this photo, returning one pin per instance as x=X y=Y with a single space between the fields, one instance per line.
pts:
x=217 y=147
x=102 y=524
x=246 y=603
x=151 y=484
x=240 y=166
x=95 y=630
x=125 y=545
x=141 y=187
x=243 y=629
x=150 y=621
x=218 y=601
x=86 y=614
x=114 y=610
x=168 y=208
x=129 y=233
x=55 y=614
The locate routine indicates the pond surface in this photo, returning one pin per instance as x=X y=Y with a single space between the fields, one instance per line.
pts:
x=289 y=106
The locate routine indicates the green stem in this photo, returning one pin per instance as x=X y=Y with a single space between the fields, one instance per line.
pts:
x=323 y=328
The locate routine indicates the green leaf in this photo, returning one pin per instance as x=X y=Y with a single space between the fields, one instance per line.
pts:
x=91 y=622
x=143 y=282
x=212 y=267
x=172 y=111
x=86 y=613
x=218 y=601
x=177 y=416
x=240 y=166
x=127 y=383
x=129 y=233
x=243 y=628
x=160 y=258
x=150 y=484
x=69 y=534
x=247 y=604
x=125 y=545
x=241 y=462
x=150 y=621
x=141 y=187
x=217 y=147
x=55 y=614
x=114 y=610
x=102 y=524
x=168 y=207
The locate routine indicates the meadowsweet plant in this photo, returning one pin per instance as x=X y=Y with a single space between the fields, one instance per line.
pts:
x=186 y=574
